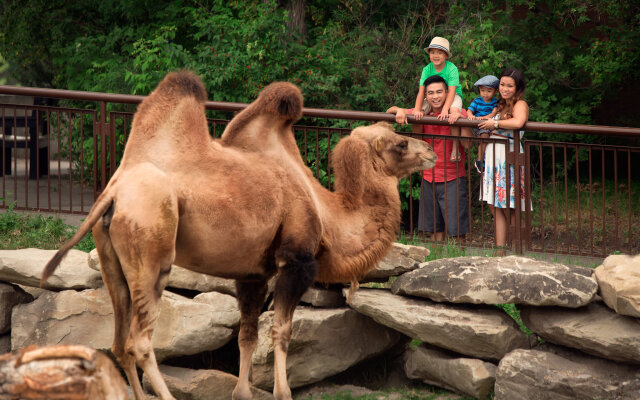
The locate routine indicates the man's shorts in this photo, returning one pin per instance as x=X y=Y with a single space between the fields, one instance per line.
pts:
x=457 y=103
x=456 y=214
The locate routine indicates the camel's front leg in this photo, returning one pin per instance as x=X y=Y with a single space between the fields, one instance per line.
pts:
x=250 y=295
x=294 y=278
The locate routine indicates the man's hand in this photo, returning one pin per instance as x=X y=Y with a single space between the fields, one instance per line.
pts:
x=401 y=116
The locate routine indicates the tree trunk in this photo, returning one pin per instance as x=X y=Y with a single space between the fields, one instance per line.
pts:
x=297 y=22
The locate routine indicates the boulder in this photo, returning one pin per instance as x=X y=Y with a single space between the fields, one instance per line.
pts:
x=479 y=332
x=60 y=372
x=184 y=326
x=327 y=390
x=499 y=280
x=550 y=372
x=202 y=384
x=323 y=343
x=5 y=343
x=619 y=281
x=10 y=296
x=35 y=292
x=400 y=259
x=594 y=329
x=323 y=298
x=25 y=267
x=450 y=371
x=182 y=278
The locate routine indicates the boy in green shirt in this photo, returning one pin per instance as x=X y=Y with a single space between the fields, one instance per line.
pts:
x=438 y=51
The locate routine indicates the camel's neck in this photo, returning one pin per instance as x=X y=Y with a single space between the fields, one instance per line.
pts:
x=357 y=238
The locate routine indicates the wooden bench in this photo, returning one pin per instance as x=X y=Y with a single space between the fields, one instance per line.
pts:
x=22 y=128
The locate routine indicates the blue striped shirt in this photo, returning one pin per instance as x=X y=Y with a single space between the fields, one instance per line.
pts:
x=480 y=108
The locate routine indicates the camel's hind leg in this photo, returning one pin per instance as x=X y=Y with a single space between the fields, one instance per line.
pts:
x=250 y=295
x=120 y=299
x=143 y=233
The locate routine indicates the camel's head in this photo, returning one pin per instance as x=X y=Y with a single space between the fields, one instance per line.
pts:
x=398 y=155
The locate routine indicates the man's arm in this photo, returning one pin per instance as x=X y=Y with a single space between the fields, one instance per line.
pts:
x=401 y=118
x=401 y=114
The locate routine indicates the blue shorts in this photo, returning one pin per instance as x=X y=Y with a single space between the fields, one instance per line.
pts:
x=444 y=205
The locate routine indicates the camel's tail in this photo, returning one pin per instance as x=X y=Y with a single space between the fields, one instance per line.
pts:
x=98 y=210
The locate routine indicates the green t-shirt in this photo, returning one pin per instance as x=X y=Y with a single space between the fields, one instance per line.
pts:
x=449 y=73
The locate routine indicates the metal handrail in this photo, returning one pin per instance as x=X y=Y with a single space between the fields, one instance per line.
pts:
x=323 y=113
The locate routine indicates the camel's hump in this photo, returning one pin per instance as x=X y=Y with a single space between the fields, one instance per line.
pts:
x=182 y=84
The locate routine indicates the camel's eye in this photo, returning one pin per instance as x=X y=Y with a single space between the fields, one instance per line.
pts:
x=403 y=145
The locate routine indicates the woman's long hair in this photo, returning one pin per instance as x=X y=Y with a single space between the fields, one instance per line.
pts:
x=505 y=107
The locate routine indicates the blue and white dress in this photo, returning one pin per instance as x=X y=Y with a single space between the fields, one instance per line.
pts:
x=495 y=172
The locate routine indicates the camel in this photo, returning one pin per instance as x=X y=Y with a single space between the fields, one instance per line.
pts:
x=237 y=209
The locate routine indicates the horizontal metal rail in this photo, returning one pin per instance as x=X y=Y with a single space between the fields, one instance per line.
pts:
x=322 y=113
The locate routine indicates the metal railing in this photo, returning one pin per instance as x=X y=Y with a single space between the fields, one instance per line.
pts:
x=73 y=151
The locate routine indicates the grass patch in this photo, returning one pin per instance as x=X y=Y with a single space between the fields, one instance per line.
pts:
x=21 y=231
x=514 y=313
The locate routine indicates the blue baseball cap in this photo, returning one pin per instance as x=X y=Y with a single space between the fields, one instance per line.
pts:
x=488 y=81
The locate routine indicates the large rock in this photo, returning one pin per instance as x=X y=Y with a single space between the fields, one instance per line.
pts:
x=440 y=368
x=184 y=326
x=499 y=280
x=202 y=384
x=594 y=329
x=619 y=281
x=400 y=259
x=5 y=343
x=480 y=332
x=10 y=296
x=324 y=342
x=60 y=372
x=559 y=374
x=323 y=298
x=25 y=267
x=182 y=278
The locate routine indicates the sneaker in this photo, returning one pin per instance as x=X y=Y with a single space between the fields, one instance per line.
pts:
x=479 y=166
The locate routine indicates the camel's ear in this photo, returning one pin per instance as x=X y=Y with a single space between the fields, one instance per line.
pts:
x=378 y=143
x=350 y=162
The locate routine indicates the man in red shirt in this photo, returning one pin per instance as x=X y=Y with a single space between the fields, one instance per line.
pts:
x=443 y=197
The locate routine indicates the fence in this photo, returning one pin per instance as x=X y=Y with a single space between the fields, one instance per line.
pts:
x=581 y=199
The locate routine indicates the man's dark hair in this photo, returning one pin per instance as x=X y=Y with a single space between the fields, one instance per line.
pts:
x=435 y=79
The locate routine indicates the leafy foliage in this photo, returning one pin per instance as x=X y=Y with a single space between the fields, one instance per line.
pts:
x=356 y=54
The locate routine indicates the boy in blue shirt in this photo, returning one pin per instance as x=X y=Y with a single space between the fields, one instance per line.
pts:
x=483 y=107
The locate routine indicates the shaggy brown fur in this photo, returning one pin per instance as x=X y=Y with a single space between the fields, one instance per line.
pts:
x=243 y=207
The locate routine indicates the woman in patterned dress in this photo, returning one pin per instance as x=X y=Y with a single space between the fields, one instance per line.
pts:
x=513 y=113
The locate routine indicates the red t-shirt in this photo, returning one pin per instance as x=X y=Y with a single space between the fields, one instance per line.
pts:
x=444 y=166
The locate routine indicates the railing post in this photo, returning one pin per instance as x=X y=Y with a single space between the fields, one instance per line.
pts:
x=518 y=161
x=105 y=129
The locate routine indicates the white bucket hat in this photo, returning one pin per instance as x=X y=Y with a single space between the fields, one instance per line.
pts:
x=439 y=43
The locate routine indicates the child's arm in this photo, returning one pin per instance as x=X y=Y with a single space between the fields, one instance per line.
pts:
x=490 y=116
x=418 y=107
x=470 y=115
x=447 y=104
